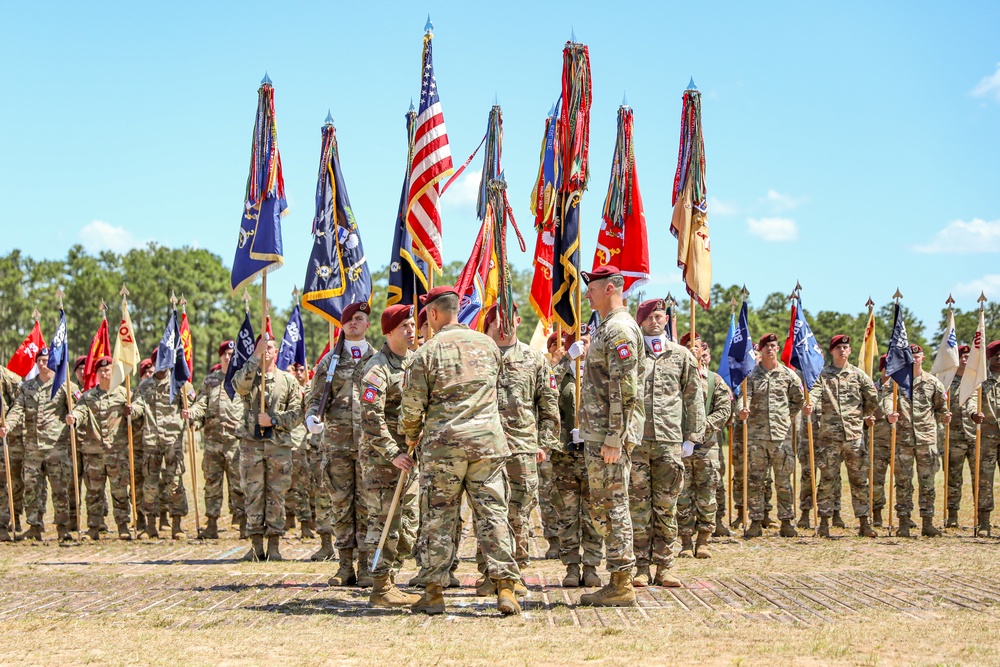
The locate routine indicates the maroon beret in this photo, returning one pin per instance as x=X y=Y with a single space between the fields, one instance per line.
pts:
x=551 y=340
x=964 y=349
x=492 y=314
x=153 y=355
x=916 y=349
x=881 y=362
x=993 y=349
x=767 y=338
x=217 y=367
x=144 y=364
x=80 y=361
x=226 y=345
x=422 y=318
x=101 y=362
x=351 y=309
x=839 y=339
x=686 y=338
x=436 y=293
x=647 y=307
x=600 y=273
x=395 y=315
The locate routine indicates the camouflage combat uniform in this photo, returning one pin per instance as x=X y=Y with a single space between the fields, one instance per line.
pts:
x=220 y=417
x=961 y=443
x=916 y=439
x=775 y=396
x=163 y=444
x=548 y=511
x=989 y=440
x=882 y=435
x=9 y=383
x=340 y=499
x=674 y=404
x=570 y=495
x=612 y=413
x=698 y=502
x=450 y=407
x=299 y=500
x=42 y=421
x=266 y=454
x=842 y=399
x=381 y=442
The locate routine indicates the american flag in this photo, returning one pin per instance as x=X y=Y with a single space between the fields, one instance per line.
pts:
x=431 y=162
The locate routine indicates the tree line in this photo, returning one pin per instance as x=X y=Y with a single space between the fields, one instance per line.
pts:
x=154 y=272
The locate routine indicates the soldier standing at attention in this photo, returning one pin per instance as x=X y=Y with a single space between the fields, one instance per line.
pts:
x=384 y=457
x=220 y=417
x=845 y=399
x=550 y=516
x=989 y=444
x=916 y=439
x=266 y=446
x=611 y=422
x=697 y=506
x=674 y=426
x=9 y=383
x=42 y=419
x=775 y=395
x=450 y=408
x=300 y=498
x=102 y=417
x=962 y=445
x=340 y=502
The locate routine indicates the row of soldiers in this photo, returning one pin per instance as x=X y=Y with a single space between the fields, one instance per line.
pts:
x=636 y=467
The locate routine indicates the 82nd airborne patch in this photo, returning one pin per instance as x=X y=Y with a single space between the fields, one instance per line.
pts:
x=622 y=349
x=370 y=394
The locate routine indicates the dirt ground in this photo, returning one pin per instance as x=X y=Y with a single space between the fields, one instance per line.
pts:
x=801 y=601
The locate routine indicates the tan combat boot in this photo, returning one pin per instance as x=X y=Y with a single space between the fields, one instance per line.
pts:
x=904 y=525
x=345 y=575
x=211 y=531
x=273 y=554
x=552 y=553
x=617 y=593
x=738 y=519
x=5 y=535
x=928 y=529
x=572 y=578
x=94 y=533
x=364 y=573
x=123 y=532
x=590 y=577
x=432 y=601
x=506 y=600
x=864 y=529
x=325 y=548
x=385 y=594
x=256 y=552
x=701 y=548
x=151 y=527
x=804 y=520
x=307 y=531
x=33 y=533
x=64 y=534
x=176 y=532
x=787 y=530
x=766 y=521
x=721 y=529
x=140 y=524
x=877 y=518
x=164 y=521
x=642 y=576
x=824 y=526
x=664 y=578
x=485 y=587
x=289 y=521
x=984 y=524
x=952 y=520
x=837 y=521
x=687 y=548
x=753 y=530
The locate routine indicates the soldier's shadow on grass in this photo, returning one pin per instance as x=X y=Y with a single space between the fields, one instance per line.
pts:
x=357 y=607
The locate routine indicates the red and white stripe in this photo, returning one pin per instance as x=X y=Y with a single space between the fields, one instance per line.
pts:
x=431 y=163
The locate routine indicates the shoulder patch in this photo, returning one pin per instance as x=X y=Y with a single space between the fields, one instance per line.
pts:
x=369 y=394
x=552 y=381
x=622 y=349
x=374 y=380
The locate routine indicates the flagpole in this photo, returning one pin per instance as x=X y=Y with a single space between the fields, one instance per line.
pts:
x=732 y=312
x=72 y=429
x=871 y=427
x=979 y=434
x=263 y=336
x=128 y=423
x=892 y=439
x=795 y=446
x=947 y=435
x=746 y=511
x=189 y=427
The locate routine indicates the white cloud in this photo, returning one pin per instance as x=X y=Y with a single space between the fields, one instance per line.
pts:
x=464 y=192
x=989 y=86
x=961 y=237
x=673 y=278
x=774 y=229
x=782 y=202
x=100 y=235
x=988 y=285
x=719 y=207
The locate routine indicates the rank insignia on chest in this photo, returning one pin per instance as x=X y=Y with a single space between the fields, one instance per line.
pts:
x=369 y=394
x=355 y=353
x=552 y=381
x=657 y=346
x=623 y=351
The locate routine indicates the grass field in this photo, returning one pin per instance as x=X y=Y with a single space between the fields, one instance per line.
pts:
x=804 y=601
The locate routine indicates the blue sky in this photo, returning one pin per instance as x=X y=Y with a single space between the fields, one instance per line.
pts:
x=850 y=146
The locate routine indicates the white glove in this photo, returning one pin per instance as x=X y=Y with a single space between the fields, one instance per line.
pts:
x=314 y=425
x=575 y=350
x=576 y=436
x=687 y=449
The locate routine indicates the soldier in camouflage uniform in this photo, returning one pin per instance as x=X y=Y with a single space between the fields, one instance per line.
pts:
x=42 y=421
x=916 y=439
x=101 y=419
x=548 y=511
x=697 y=504
x=384 y=457
x=265 y=435
x=844 y=400
x=220 y=417
x=989 y=437
x=675 y=423
x=612 y=415
x=300 y=497
x=883 y=434
x=9 y=383
x=529 y=412
x=775 y=396
x=340 y=502
x=962 y=440
x=450 y=408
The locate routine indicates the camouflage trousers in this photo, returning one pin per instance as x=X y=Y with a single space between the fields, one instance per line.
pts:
x=989 y=448
x=881 y=468
x=698 y=502
x=442 y=481
x=163 y=477
x=266 y=472
x=829 y=455
x=53 y=466
x=298 y=502
x=926 y=458
x=222 y=464
x=570 y=497
x=550 y=516
x=100 y=470
x=380 y=482
x=609 y=505
x=16 y=455
x=805 y=477
x=655 y=483
x=961 y=454
x=420 y=548
x=522 y=482
x=769 y=456
x=738 y=471
x=340 y=500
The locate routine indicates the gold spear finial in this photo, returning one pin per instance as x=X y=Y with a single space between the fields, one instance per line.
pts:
x=898 y=295
x=183 y=303
x=982 y=299
x=124 y=291
x=733 y=303
x=59 y=295
x=173 y=299
x=246 y=299
x=745 y=292
x=798 y=287
x=104 y=309
x=949 y=301
x=870 y=304
x=295 y=293
x=35 y=315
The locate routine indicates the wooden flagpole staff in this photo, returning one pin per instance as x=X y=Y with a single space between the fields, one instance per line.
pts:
x=795 y=439
x=128 y=421
x=979 y=435
x=947 y=436
x=732 y=306
x=892 y=439
x=871 y=435
x=812 y=447
x=189 y=428
x=746 y=407
x=72 y=429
